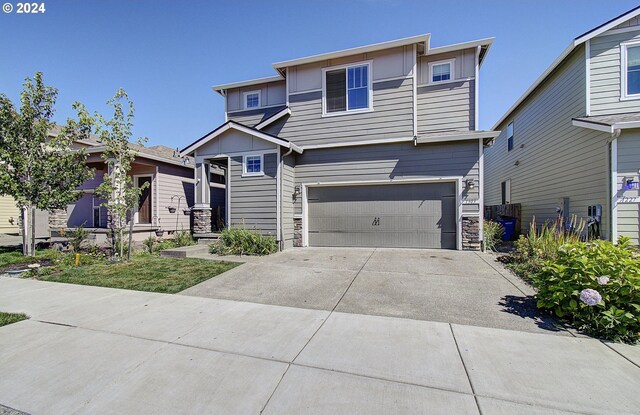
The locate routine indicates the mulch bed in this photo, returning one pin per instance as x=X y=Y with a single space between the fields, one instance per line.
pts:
x=44 y=262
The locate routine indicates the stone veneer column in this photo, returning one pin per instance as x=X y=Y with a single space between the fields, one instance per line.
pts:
x=471 y=233
x=201 y=219
x=297 y=232
x=58 y=220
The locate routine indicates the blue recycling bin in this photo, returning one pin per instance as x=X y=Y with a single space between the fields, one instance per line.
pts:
x=509 y=226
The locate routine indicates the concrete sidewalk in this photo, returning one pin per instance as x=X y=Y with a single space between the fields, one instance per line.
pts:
x=101 y=350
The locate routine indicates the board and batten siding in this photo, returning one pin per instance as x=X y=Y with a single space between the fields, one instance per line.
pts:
x=392 y=117
x=446 y=107
x=271 y=93
x=253 y=199
x=390 y=161
x=628 y=165
x=606 y=74
x=174 y=181
x=555 y=159
x=287 y=189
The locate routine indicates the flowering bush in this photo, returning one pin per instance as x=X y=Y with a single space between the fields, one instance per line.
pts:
x=596 y=286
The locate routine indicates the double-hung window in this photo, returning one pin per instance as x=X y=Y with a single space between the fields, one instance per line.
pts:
x=440 y=71
x=510 y=136
x=347 y=88
x=251 y=99
x=252 y=165
x=630 y=70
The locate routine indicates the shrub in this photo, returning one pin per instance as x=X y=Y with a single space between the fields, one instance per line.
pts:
x=149 y=243
x=596 y=286
x=77 y=237
x=240 y=241
x=183 y=238
x=493 y=232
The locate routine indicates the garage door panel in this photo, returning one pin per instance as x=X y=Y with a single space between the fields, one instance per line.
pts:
x=398 y=215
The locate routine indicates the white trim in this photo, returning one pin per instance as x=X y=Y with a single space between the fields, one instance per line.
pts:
x=244 y=164
x=455 y=179
x=358 y=143
x=356 y=51
x=623 y=71
x=613 y=23
x=462 y=135
x=414 y=74
x=592 y=126
x=481 y=187
x=264 y=80
x=286 y=85
x=279 y=201
x=306 y=91
x=476 y=86
x=238 y=127
x=369 y=65
x=234 y=112
x=246 y=94
x=451 y=81
x=135 y=178
x=459 y=46
x=275 y=117
x=452 y=70
x=226 y=105
x=587 y=54
x=614 y=190
x=228 y=193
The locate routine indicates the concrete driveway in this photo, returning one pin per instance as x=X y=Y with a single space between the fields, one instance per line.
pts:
x=447 y=286
x=90 y=350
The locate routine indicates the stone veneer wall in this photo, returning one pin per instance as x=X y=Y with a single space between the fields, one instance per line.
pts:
x=297 y=232
x=471 y=233
x=58 y=219
x=201 y=220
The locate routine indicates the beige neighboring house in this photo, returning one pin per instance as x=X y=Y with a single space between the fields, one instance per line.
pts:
x=9 y=215
x=571 y=144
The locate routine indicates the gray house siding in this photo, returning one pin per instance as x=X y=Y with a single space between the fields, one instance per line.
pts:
x=389 y=161
x=174 y=181
x=449 y=106
x=628 y=165
x=288 y=184
x=271 y=93
x=253 y=199
x=606 y=74
x=555 y=159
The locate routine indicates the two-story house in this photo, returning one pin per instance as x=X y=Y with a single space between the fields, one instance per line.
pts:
x=373 y=146
x=571 y=144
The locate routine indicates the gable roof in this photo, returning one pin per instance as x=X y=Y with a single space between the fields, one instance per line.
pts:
x=157 y=153
x=242 y=128
x=572 y=46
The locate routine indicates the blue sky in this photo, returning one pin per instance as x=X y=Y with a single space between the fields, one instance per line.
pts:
x=168 y=54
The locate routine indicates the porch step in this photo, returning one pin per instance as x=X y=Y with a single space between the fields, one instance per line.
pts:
x=206 y=241
x=185 y=251
x=206 y=238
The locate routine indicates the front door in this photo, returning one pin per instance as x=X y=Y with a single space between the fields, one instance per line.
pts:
x=144 y=203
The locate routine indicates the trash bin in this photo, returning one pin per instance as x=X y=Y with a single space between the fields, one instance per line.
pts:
x=509 y=226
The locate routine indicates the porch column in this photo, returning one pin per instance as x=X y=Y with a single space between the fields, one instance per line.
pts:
x=202 y=208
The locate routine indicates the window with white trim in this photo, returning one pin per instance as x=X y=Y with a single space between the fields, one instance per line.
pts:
x=631 y=69
x=440 y=71
x=506 y=191
x=251 y=99
x=510 y=136
x=253 y=165
x=347 y=88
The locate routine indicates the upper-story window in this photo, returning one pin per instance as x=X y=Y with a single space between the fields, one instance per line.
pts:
x=631 y=70
x=510 y=136
x=347 y=88
x=251 y=99
x=440 y=71
x=253 y=165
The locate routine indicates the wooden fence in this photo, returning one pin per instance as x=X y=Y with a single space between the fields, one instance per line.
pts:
x=509 y=211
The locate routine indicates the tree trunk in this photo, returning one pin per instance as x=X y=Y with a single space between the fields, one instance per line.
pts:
x=130 y=236
x=25 y=231
x=33 y=231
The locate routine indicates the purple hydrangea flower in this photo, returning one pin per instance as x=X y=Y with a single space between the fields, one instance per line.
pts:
x=590 y=297
x=603 y=280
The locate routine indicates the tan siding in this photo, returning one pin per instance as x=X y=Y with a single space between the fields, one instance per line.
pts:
x=449 y=106
x=555 y=158
x=9 y=215
x=606 y=75
x=628 y=165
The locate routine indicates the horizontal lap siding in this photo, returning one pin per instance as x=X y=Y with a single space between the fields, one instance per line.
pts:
x=288 y=185
x=174 y=181
x=628 y=165
x=392 y=117
x=253 y=199
x=389 y=161
x=446 y=107
x=557 y=159
x=9 y=215
x=606 y=75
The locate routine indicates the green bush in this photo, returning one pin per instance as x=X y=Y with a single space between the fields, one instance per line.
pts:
x=492 y=232
x=240 y=241
x=149 y=243
x=596 y=286
x=183 y=238
x=77 y=237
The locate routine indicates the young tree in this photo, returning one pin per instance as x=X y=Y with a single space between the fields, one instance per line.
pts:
x=117 y=188
x=37 y=170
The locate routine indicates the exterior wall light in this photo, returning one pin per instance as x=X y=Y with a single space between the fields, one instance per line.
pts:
x=296 y=191
x=471 y=184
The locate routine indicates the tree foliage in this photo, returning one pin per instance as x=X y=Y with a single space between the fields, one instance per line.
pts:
x=37 y=169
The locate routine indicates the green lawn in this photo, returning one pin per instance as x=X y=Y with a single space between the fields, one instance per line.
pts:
x=8 y=318
x=144 y=273
x=10 y=256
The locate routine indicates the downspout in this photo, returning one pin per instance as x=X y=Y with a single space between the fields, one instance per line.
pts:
x=280 y=233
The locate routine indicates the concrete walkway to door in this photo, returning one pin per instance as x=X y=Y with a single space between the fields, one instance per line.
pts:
x=436 y=285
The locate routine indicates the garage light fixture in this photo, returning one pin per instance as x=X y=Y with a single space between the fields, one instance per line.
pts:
x=471 y=184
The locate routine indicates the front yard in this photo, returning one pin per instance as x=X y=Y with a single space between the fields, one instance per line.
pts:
x=144 y=272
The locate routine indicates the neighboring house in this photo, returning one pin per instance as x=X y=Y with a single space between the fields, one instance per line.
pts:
x=9 y=215
x=571 y=144
x=372 y=146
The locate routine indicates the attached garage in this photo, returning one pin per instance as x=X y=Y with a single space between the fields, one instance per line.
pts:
x=411 y=215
